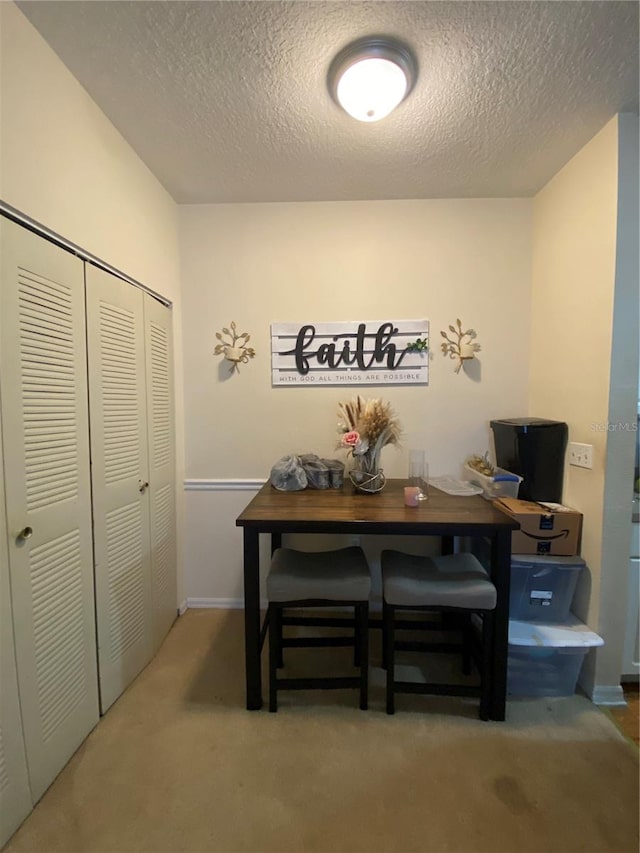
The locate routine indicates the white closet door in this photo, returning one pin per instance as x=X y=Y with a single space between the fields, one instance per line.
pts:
x=160 y=427
x=15 y=796
x=46 y=458
x=120 y=476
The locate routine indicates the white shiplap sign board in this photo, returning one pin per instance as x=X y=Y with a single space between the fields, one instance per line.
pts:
x=358 y=352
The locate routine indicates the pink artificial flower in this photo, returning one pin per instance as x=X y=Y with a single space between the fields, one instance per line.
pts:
x=350 y=439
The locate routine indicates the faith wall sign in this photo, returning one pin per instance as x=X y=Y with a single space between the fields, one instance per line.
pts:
x=365 y=352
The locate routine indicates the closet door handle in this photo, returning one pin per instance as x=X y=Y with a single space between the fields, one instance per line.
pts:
x=143 y=487
x=25 y=533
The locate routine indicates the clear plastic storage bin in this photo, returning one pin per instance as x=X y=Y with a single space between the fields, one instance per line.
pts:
x=542 y=587
x=495 y=486
x=545 y=660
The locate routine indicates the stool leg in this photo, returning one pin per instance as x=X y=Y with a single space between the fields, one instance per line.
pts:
x=486 y=683
x=279 y=634
x=275 y=653
x=362 y=616
x=384 y=638
x=388 y=617
x=280 y=646
x=467 y=639
x=357 y=636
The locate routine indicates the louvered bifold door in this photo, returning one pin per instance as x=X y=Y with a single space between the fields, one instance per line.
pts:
x=120 y=477
x=43 y=387
x=160 y=428
x=15 y=795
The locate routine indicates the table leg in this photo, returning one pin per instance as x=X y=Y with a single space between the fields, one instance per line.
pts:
x=446 y=545
x=501 y=576
x=252 y=619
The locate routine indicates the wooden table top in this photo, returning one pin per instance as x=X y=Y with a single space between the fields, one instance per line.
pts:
x=332 y=510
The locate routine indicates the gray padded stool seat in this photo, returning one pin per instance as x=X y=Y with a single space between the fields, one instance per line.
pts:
x=302 y=579
x=341 y=575
x=454 y=583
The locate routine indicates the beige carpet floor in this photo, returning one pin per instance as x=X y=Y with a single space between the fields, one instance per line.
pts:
x=177 y=764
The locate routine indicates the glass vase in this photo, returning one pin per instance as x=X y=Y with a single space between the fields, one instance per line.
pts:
x=367 y=478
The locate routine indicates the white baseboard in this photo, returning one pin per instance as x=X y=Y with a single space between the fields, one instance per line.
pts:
x=375 y=606
x=182 y=608
x=224 y=485
x=220 y=603
x=612 y=696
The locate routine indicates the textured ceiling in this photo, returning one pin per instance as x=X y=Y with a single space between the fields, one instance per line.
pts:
x=228 y=102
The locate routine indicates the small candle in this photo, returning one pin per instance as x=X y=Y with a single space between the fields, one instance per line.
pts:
x=411 y=494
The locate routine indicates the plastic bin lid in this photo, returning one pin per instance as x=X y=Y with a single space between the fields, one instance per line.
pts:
x=527 y=422
x=501 y=475
x=539 y=561
x=571 y=633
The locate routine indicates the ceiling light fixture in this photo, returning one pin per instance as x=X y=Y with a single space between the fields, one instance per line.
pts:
x=371 y=76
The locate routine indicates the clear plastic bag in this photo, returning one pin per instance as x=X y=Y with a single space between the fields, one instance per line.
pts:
x=315 y=469
x=336 y=472
x=288 y=475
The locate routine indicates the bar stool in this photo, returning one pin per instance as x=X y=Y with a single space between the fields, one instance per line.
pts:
x=301 y=579
x=456 y=583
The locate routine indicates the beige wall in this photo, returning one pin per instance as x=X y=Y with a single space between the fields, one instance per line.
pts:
x=258 y=264
x=63 y=164
x=575 y=252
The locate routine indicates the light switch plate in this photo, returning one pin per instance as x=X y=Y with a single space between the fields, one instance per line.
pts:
x=580 y=455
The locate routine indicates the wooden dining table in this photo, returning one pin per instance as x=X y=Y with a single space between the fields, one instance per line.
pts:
x=345 y=511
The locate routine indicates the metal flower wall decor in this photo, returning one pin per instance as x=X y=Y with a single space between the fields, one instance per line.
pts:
x=234 y=347
x=457 y=347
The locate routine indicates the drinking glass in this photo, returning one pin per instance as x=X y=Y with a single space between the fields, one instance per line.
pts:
x=419 y=472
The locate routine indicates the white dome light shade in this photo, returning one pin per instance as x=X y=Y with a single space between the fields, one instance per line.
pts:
x=371 y=76
x=371 y=88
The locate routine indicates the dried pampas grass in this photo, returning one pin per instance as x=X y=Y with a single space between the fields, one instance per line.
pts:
x=374 y=420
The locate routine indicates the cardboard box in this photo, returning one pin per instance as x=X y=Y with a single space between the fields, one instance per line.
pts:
x=554 y=531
